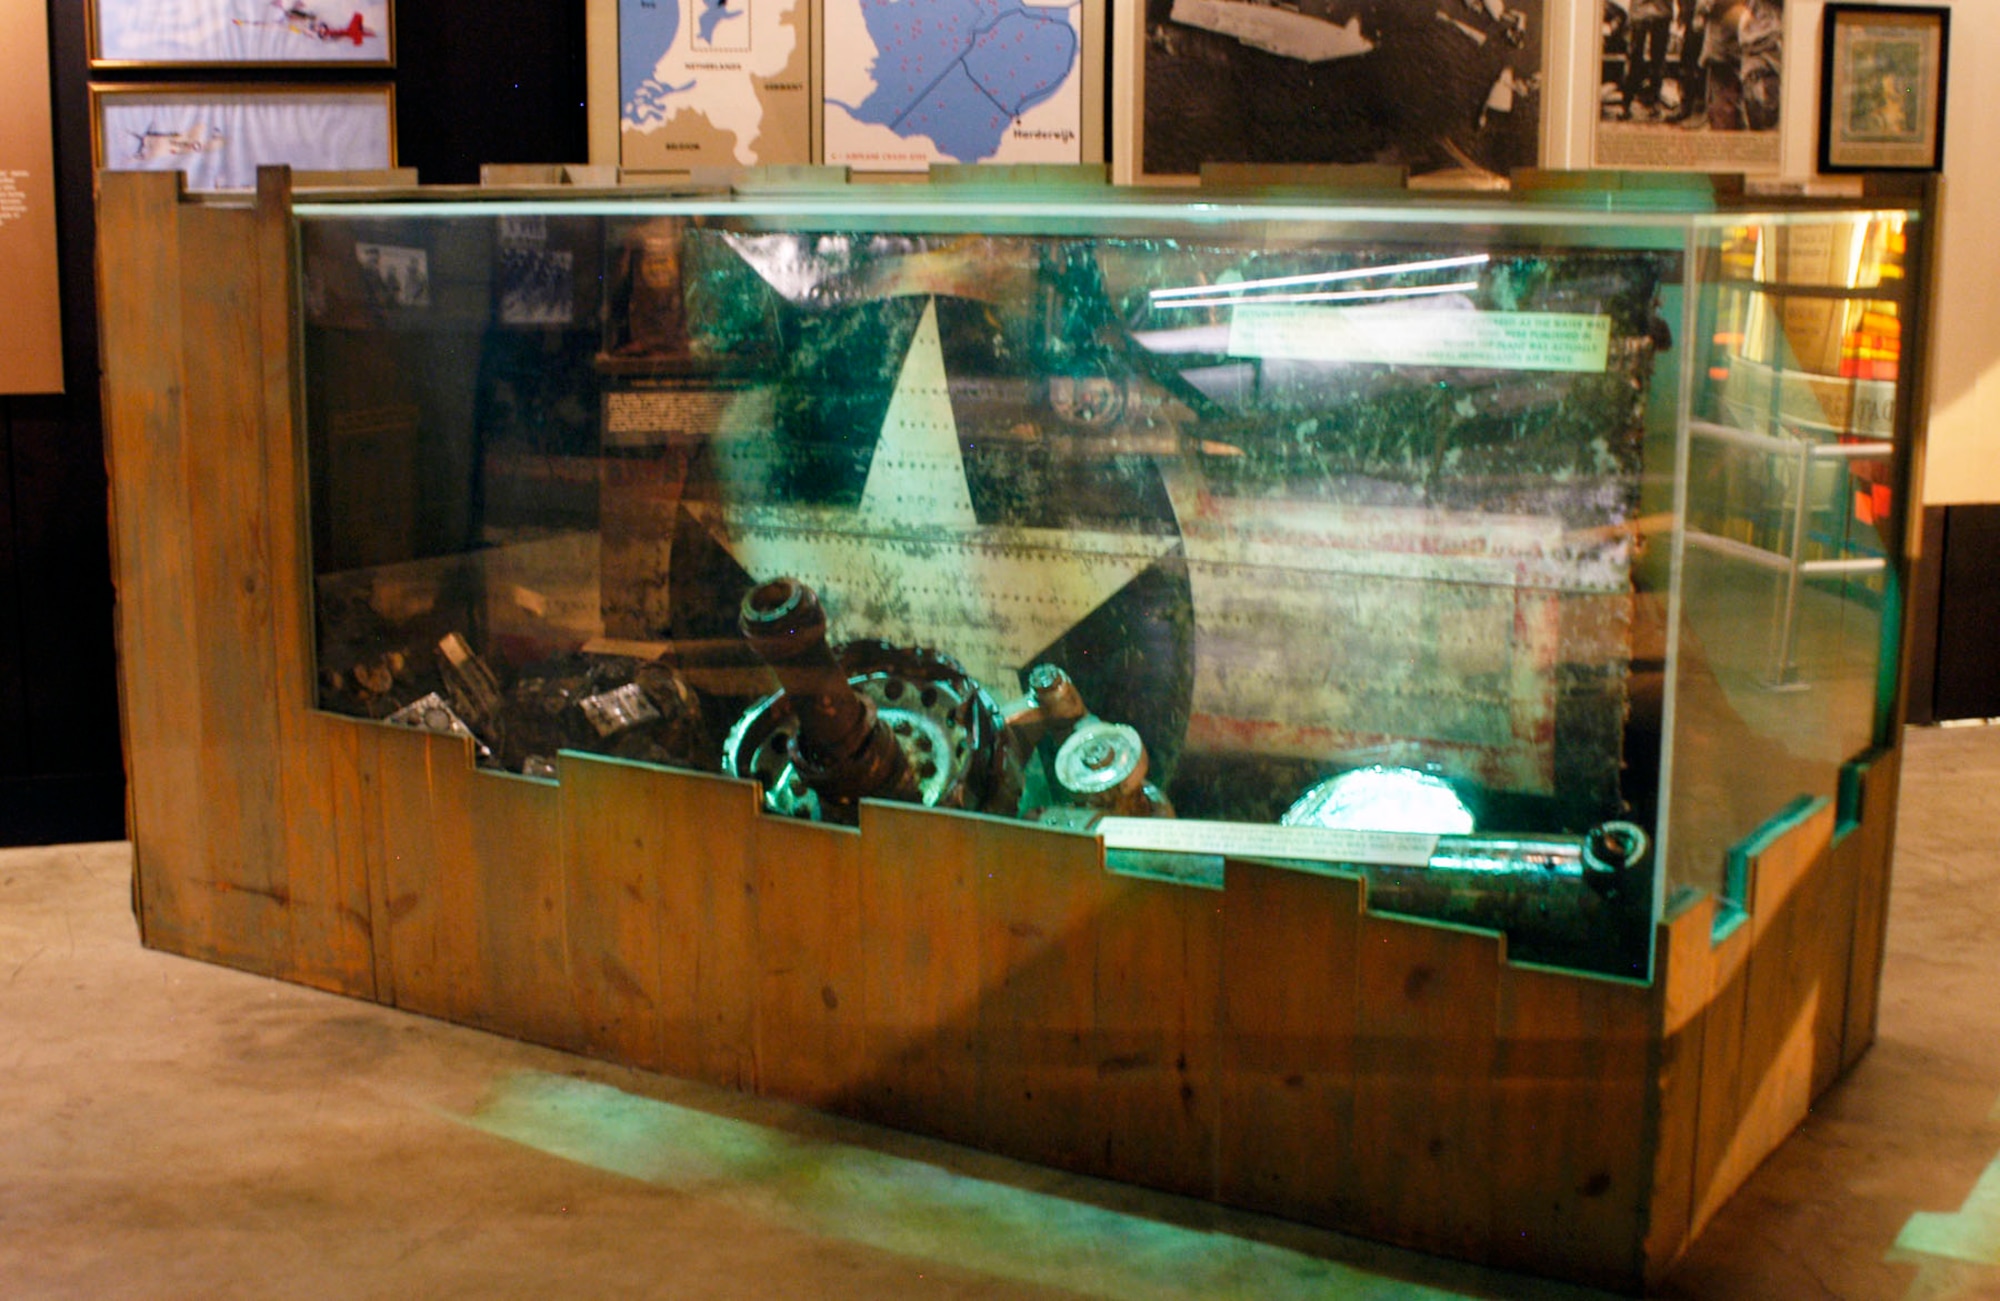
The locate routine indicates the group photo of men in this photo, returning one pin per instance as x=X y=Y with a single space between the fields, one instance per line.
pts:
x=1709 y=65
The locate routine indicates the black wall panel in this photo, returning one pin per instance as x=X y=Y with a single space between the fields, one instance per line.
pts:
x=497 y=82
x=61 y=776
x=1968 y=640
x=502 y=82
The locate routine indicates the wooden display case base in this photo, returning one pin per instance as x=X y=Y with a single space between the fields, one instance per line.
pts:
x=1274 y=1045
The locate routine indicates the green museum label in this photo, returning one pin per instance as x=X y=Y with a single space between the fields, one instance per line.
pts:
x=1403 y=336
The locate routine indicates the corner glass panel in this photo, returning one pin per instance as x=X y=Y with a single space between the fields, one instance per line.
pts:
x=1789 y=608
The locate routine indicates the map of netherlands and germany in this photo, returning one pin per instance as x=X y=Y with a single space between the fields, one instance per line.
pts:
x=907 y=82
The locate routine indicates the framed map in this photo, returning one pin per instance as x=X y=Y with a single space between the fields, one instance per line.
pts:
x=165 y=33
x=219 y=135
x=713 y=83
x=909 y=83
x=878 y=85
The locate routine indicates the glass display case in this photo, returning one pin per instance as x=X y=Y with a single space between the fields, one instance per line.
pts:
x=1377 y=708
x=1520 y=558
x=1790 y=610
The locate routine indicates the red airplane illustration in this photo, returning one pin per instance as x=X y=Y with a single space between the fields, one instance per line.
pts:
x=296 y=17
x=354 y=31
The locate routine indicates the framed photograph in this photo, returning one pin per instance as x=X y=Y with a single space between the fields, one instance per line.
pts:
x=220 y=134
x=1690 y=85
x=1881 y=88
x=227 y=33
x=1433 y=86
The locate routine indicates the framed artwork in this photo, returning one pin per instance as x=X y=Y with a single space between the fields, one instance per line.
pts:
x=1881 y=88
x=220 y=134
x=261 y=33
x=1690 y=85
x=1433 y=86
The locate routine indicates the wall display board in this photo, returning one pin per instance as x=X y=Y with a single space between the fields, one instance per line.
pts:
x=1882 y=80
x=220 y=134
x=908 y=83
x=1690 y=84
x=1430 y=85
x=713 y=83
x=31 y=345
x=260 y=32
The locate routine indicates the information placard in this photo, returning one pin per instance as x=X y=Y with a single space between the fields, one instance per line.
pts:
x=1401 y=336
x=1262 y=840
x=31 y=345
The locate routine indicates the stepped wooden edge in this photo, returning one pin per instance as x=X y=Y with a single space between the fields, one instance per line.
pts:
x=1274 y=1045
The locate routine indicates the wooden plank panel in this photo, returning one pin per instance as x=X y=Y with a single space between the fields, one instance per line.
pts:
x=230 y=606
x=921 y=974
x=1830 y=950
x=523 y=969
x=614 y=841
x=1571 y=1099
x=1159 y=1000
x=1773 y=1079
x=1291 y=945
x=1682 y=983
x=362 y=802
x=139 y=314
x=1721 y=1057
x=811 y=1016
x=333 y=924
x=456 y=923
x=1423 y=1086
x=708 y=940
x=1798 y=983
x=1041 y=897
x=327 y=877
x=1874 y=855
x=415 y=902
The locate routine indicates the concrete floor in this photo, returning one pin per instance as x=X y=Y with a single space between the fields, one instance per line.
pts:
x=169 y=1130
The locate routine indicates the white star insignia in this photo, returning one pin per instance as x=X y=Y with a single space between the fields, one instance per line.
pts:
x=913 y=565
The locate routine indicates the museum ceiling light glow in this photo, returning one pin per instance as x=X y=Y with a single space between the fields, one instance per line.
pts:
x=1160 y=296
x=1329 y=296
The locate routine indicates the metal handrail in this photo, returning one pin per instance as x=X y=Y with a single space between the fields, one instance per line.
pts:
x=1792 y=562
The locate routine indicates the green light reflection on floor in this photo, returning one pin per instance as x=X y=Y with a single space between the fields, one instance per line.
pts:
x=909 y=1207
x=1954 y=1251
x=1971 y=1233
